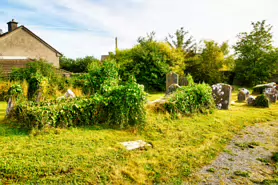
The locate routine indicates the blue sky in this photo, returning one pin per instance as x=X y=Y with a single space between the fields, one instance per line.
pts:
x=78 y=28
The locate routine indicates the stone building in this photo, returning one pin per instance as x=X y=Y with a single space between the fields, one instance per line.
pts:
x=20 y=45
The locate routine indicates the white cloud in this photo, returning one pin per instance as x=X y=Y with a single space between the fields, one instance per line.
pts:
x=219 y=20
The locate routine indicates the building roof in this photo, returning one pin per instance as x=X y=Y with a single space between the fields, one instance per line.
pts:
x=34 y=35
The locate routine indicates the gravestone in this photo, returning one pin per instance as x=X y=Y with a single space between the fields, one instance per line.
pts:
x=222 y=95
x=171 y=78
x=183 y=81
x=251 y=100
x=10 y=106
x=272 y=94
x=39 y=95
x=172 y=88
x=242 y=95
x=69 y=94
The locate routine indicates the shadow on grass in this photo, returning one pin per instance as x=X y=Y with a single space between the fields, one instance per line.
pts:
x=9 y=131
x=101 y=127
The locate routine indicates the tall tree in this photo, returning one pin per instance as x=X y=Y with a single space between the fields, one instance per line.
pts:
x=206 y=66
x=257 y=59
x=181 y=40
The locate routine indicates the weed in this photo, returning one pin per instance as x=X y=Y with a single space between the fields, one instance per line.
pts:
x=247 y=145
x=242 y=173
x=212 y=170
x=265 y=161
x=275 y=157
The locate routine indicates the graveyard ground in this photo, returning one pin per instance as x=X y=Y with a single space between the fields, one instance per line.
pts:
x=94 y=154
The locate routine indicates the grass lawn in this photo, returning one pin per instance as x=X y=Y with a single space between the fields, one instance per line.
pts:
x=155 y=96
x=92 y=155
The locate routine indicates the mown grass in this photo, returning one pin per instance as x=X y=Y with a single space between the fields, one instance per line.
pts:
x=94 y=155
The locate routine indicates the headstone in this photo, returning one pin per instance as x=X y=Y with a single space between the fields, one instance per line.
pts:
x=222 y=95
x=183 y=81
x=39 y=96
x=10 y=106
x=259 y=89
x=251 y=100
x=172 y=88
x=242 y=95
x=272 y=94
x=69 y=94
x=171 y=78
x=104 y=57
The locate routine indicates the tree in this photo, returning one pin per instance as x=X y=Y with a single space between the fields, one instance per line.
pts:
x=80 y=65
x=149 y=61
x=180 y=41
x=257 y=59
x=206 y=66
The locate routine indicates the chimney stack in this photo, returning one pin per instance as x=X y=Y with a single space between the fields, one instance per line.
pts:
x=12 y=25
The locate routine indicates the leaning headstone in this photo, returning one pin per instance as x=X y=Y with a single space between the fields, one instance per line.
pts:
x=272 y=94
x=172 y=88
x=222 y=95
x=242 y=95
x=10 y=106
x=251 y=100
x=171 y=78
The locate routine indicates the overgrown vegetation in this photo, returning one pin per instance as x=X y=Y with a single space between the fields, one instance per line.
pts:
x=261 y=101
x=192 y=99
x=36 y=71
x=118 y=104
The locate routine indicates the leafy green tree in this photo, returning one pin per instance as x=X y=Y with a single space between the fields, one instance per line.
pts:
x=206 y=66
x=149 y=62
x=257 y=59
x=80 y=65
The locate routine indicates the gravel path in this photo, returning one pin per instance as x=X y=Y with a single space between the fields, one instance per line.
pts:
x=246 y=160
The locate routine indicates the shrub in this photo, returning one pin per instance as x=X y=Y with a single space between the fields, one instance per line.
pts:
x=39 y=68
x=261 y=101
x=149 y=62
x=190 y=80
x=121 y=107
x=15 y=91
x=6 y=86
x=100 y=76
x=191 y=99
x=126 y=105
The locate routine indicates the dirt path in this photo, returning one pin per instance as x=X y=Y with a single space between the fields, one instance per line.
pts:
x=246 y=160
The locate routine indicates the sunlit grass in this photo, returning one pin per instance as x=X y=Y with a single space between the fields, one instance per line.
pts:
x=94 y=155
x=155 y=96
